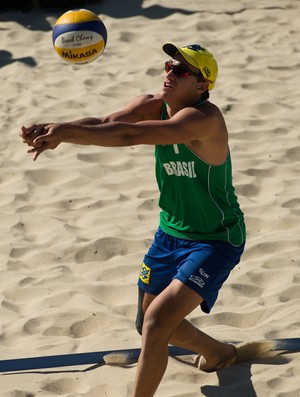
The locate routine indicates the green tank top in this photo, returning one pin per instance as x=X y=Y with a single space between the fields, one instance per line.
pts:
x=197 y=200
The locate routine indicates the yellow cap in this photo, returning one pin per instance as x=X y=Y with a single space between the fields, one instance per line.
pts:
x=199 y=57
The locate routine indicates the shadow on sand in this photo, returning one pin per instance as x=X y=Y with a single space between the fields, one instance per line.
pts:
x=237 y=380
x=36 y=18
x=6 y=58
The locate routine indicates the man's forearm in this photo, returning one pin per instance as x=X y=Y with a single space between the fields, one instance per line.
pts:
x=87 y=121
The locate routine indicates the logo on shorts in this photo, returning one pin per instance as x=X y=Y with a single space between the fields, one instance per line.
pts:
x=203 y=273
x=197 y=280
x=145 y=273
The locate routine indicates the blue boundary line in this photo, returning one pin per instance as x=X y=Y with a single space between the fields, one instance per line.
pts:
x=66 y=360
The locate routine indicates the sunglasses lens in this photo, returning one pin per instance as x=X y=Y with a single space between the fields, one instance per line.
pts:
x=168 y=66
x=178 y=70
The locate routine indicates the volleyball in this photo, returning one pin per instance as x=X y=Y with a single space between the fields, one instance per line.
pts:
x=79 y=36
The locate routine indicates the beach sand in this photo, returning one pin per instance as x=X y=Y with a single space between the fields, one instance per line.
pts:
x=75 y=224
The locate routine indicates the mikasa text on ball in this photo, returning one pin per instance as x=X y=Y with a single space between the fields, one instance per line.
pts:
x=79 y=36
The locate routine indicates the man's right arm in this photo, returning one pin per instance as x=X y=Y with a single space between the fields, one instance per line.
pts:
x=133 y=112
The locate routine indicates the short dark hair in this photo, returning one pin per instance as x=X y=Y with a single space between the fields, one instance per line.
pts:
x=205 y=95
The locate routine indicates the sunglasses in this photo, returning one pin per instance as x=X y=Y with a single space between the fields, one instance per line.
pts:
x=180 y=70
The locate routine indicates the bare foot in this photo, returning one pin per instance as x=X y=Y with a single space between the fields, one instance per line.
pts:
x=221 y=360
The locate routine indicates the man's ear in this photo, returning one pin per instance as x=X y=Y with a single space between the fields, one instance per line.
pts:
x=202 y=86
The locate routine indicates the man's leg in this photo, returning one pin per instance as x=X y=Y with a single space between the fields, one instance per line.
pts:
x=163 y=324
x=213 y=351
x=189 y=337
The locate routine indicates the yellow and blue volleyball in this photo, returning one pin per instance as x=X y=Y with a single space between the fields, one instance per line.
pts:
x=79 y=36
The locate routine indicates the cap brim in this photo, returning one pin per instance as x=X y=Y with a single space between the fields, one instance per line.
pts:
x=172 y=49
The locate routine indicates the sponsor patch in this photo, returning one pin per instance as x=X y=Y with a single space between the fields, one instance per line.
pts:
x=145 y=273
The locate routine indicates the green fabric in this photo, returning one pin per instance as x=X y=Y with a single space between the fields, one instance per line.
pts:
x=197 y=200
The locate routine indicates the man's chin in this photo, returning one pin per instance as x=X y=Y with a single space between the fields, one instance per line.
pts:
x=164 y=94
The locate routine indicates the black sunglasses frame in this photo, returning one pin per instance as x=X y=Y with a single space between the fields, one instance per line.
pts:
x=181 y=70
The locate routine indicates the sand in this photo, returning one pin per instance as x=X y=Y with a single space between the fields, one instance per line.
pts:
x=76 y=224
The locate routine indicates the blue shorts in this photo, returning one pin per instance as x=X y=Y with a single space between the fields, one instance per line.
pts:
x=201 y=265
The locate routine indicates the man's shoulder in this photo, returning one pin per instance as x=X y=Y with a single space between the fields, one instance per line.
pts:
x=148 y=105
x=209 y=108
x=206 y=111
x=148 y=98
x=211 y=113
